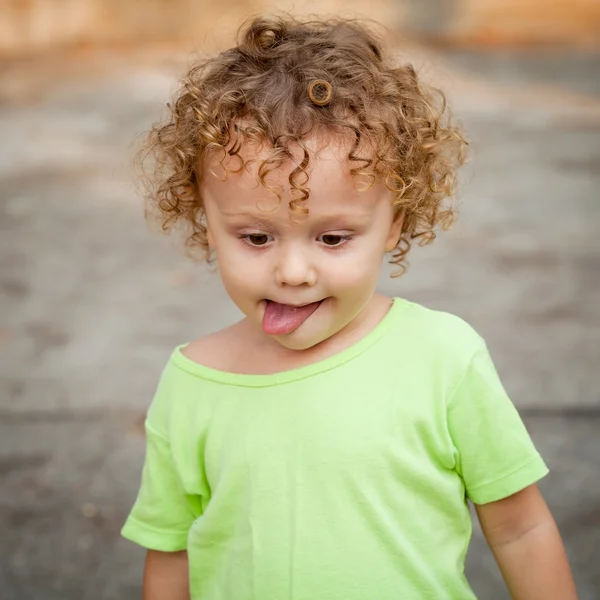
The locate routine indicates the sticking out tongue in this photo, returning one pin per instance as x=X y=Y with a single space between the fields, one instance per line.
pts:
x=280 y=319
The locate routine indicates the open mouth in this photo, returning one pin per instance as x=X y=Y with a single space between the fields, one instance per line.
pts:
x=281 y=319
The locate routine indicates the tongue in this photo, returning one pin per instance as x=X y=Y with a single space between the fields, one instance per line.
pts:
x=280 y=319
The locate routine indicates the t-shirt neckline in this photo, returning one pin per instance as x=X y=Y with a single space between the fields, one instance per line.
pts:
x=270 y=379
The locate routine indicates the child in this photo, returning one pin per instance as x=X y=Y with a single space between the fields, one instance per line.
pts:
x=324 y=447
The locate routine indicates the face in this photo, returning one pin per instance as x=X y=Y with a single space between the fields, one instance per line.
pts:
x=273 y=262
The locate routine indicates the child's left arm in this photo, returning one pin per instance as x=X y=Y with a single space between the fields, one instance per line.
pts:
x=525 y=541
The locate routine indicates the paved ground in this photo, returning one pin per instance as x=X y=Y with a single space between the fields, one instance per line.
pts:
x=92 y=303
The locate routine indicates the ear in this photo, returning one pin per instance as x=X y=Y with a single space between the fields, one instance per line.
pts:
x=210 y=238
x=395 y=231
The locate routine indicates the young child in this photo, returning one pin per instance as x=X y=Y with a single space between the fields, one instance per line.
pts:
x=326 y=446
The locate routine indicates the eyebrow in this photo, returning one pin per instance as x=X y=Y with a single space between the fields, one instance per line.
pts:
x=246 y=216
x=265 y=221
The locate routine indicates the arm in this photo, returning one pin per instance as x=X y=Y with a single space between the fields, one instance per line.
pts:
x=166 y=576
x=527 y=547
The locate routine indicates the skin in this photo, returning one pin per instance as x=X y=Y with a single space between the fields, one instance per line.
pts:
x=265 y=253
x=333 y=255
x=166 y=576
x=527 y=546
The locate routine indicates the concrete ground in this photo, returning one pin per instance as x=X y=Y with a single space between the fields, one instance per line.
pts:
x=92 y=304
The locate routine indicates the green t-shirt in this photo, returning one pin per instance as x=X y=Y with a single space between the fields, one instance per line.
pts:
x=346 y=479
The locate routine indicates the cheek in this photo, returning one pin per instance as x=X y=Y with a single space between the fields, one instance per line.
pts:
x=238 y=270
x=357 y=269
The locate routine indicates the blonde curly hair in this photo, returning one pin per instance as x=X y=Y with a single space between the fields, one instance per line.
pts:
x=285 y=80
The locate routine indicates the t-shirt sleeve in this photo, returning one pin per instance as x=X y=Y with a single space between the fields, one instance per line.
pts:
x=494 y=454
x=162 y=514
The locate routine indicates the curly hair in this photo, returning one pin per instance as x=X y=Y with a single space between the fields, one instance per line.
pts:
x=260 y=91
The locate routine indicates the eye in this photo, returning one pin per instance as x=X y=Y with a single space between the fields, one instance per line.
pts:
x=257 y=239
x=333 y=239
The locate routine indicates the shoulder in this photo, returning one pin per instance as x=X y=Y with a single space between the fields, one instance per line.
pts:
x=178 y=390
x=441 y=333
x=217 y=350
x=448 y=349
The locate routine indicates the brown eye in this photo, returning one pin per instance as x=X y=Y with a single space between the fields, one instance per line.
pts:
x=258 y=239
x=331 y=239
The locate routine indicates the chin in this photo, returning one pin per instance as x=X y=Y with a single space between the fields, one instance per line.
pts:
x=292 y=343
x=300 y=340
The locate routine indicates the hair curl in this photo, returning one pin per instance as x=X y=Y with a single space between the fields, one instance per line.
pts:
x=257 y=92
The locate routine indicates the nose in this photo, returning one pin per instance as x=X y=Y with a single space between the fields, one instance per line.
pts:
x=295 y=268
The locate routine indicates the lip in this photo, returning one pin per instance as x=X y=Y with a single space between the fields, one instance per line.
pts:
x=296 y=305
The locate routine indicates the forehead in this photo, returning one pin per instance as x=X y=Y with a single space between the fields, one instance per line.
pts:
x=258 y=187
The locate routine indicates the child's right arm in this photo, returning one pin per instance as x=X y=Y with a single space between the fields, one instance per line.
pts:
x=166 y=576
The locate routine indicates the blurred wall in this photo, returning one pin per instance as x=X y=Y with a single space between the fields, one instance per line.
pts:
x=508 y=22
x=574 y=22
x=34 y=25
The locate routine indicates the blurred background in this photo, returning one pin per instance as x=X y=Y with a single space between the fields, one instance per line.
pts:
x=92 y=303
